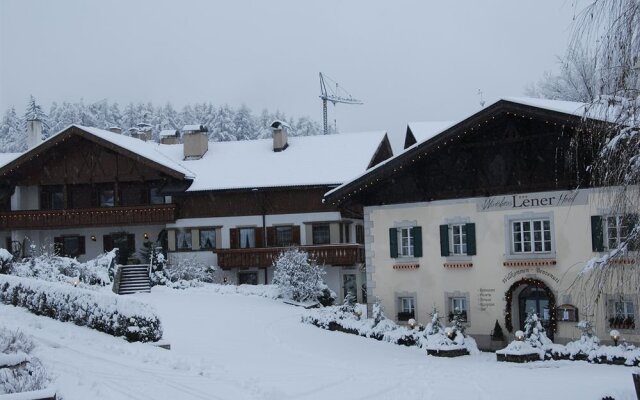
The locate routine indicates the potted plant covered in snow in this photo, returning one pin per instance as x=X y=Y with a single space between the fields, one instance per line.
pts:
x=529 y=345
x=588 y=342
x=450 y=341
x=498 y=339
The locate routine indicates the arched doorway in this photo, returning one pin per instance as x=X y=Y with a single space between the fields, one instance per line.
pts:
x=534 y=299
x=528 y=295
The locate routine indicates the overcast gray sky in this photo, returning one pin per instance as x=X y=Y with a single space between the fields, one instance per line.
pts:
x=407 y=60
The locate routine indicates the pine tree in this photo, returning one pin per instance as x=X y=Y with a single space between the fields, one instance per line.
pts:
x=34 y=112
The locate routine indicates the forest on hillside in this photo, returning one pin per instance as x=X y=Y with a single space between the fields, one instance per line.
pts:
x=224 y=123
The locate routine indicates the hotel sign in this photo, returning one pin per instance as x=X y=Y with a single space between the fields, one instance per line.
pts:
x=533 y=200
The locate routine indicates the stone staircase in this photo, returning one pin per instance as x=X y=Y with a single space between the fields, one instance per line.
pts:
x=132 y=279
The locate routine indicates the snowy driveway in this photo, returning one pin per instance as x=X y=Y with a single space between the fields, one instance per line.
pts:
x=232 y=346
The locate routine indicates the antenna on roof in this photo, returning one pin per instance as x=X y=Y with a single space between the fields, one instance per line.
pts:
x=339 y=95
x=481 y=98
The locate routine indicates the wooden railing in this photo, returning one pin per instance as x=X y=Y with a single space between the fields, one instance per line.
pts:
x=331 y=254
x=43 y=219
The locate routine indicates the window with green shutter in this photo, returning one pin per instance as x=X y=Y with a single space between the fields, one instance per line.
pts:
x=417 y=241
x=393 y=243
x=471 y=239
x=444 y=240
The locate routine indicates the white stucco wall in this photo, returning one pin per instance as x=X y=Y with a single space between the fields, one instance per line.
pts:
x=486 y=282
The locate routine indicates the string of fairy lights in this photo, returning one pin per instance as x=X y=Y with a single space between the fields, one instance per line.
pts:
x=508 y=296
x=416 y=156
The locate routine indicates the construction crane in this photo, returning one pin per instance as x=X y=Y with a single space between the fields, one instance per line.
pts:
x=339 y=95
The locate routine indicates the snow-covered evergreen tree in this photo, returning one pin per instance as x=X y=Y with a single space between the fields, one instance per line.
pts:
x=298 y=278
x=434 y=327
x=34 y=112
x=12 y=138
x=534 y=332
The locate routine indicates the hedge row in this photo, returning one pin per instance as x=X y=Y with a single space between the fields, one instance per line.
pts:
x=117 y=316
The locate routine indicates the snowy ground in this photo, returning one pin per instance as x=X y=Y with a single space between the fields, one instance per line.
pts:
x=233 y=346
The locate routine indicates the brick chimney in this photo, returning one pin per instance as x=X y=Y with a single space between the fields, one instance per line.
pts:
x=279 y=130
x=195 y=141
x=34 y=133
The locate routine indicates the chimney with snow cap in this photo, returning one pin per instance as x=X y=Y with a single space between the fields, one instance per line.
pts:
x=169 y=136
x=279 y=130
x=34 y=133
x=115 y=129
x=195 y=141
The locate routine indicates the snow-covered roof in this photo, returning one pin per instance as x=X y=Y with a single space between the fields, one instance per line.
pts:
x=193 y=128
x=309 y=160
x=567 y=107
x=148 y=150
x=168 y=132
x=6 y=158
x=428 y=129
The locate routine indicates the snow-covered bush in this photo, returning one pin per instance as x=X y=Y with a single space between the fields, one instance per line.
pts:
x=451 y=338
x=186 y=272
x=115 y=315
x=299 y=278
x=50 y=267
x=5 y=261
x=19 y=370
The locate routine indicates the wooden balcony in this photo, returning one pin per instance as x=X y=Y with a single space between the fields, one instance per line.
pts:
x=86 y=217
x=331 y=254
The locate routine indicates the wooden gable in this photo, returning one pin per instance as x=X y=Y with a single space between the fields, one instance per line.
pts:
x=73 y=158
x=508 y=148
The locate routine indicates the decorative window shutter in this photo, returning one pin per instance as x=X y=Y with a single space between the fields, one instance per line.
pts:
x=234 y=236
x=471 y=239
x=259 y=232
x=597 y=235
x=416 y=232
x=107 y=243
x=81 y=245
x=444 y=240
x=393 y=242
x=271 y=236
x=296 y=235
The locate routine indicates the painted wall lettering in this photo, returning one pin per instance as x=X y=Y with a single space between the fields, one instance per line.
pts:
x=533 y=200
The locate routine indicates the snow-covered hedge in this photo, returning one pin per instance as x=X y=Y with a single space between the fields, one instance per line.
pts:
x=115 y=315
x=20 y=371
x=52 y=268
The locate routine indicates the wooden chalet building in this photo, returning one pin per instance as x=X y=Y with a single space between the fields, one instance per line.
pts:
x=232 y=205
x=484 y=218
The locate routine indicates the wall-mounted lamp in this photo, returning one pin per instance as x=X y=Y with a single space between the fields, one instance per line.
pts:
x=93 y=238
x=146 y=236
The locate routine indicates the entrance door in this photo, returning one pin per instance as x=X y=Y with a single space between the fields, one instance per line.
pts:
x=536 y=300
x=350 y=286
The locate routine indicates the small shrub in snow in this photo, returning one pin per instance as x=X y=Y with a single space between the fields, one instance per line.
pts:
x=115 y=315
x=497 y=334
x=185 y=273
x=450 y=339
x=50 y=267
x=5 y=261
x=299 y=278
x=434 y=327
x=23 y=372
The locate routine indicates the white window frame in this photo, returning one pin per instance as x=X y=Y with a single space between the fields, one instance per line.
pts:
x=408 y=301
x=459 y=247
x=405 y=250
x=531 y=241
x=620 y=229
x=627 y=307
